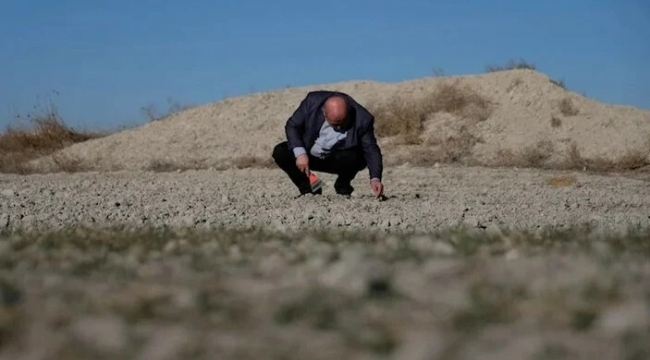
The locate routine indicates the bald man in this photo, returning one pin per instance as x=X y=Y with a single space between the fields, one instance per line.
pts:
x=332 y=133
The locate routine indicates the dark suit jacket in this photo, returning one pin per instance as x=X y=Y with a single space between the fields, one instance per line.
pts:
x=303 y=127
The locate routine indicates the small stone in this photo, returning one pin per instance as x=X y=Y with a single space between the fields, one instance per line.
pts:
x=4 y=220
x=9 y=193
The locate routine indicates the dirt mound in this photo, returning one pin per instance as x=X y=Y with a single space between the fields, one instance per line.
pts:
x=515 y=117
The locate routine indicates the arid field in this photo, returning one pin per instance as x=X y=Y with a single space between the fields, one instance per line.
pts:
x=516 y=226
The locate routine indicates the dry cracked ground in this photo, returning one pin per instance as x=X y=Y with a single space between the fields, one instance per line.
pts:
x=456 y=263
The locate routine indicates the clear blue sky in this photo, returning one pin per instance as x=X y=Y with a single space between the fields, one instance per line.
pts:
x=107 y=59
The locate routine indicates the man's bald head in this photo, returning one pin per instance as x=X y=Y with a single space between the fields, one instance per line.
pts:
x=336 y=110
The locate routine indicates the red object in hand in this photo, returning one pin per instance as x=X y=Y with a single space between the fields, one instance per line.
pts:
x=315 y=182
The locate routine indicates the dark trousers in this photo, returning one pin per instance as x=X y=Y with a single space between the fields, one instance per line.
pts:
x=344 y=163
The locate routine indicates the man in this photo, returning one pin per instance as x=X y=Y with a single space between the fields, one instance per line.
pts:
x=332 y=133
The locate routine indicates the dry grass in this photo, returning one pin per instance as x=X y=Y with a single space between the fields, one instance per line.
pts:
x=243 y=162
x=404 y=116
x=48 y=134
x=556 y=122
x=151 y=113
x=567 y=108
x=561 y=181
x=537 y=156
x=633 y=159
x=511 y=65
x=532 y=156
x=253 y=162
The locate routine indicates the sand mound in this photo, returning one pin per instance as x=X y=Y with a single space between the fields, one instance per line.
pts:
x=526 y=119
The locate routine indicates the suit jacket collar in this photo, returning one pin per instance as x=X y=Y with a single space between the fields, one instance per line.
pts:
x=349 y=134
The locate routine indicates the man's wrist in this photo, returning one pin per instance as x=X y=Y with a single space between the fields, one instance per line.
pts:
x=297 y=151
x=375 y=179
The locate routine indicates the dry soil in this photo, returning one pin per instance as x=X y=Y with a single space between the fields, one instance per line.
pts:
x=456 y=263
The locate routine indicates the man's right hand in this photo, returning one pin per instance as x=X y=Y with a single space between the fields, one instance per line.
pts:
x=302 y=161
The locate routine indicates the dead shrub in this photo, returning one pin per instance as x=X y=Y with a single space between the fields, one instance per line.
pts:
x=559 y=83
x=253 y=162
x=68 y=163
x=151 y=113
x=48 y=134
x=458 y=148
x=453 y=149
x=530 y=156
x=567 y=108
x=633 y=159
x=461 y=101
x=511 y=65
x=404 y=116
x=556 y=122
x=242 y=162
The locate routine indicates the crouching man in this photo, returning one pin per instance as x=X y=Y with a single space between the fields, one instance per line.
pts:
x=332 y=133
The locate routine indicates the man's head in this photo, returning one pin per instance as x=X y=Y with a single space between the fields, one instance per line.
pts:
x=336 y=111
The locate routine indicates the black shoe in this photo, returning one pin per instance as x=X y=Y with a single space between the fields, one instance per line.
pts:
x=303 y=193
x=345 y=190
x=342 y=186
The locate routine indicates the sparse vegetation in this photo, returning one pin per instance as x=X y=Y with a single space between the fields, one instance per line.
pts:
x=556 y=122
x=511 y=65
x=243 y=162
x=633 y=159
x=567 y=108
x=559 y=83
x=561 y=181
x=537 y=156
x=151 y=113
x=404 y=116
x=48 y=133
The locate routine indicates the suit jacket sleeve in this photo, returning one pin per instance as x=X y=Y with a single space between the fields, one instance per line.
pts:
x=371 y=151
x=295 y=126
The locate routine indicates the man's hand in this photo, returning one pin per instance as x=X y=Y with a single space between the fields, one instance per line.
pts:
x=377 y=187
x=302 y=162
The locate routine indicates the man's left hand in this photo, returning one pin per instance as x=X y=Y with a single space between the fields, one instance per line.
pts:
x=377 y=187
